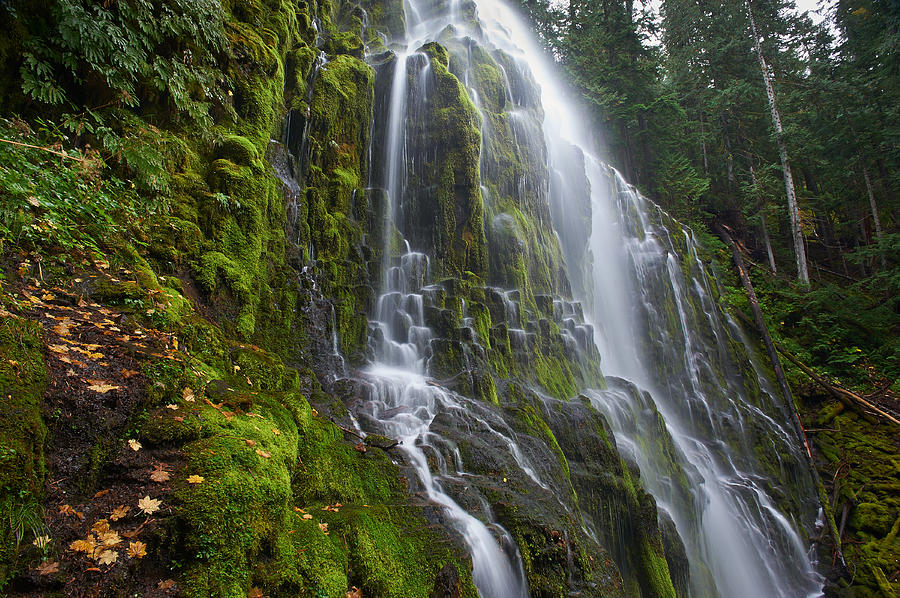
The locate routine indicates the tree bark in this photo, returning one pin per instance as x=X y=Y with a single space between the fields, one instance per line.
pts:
x=793 y=210
x=762 y=219
x=874 y=207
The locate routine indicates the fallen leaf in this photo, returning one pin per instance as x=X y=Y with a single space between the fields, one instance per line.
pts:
x=100 y=526
x=166 y=585
x=134 y=444
x=108 y=557
x=102 y=493
x=41 y=541
x=250 y=442
x=306 y=517
x=188 y=395
x=299 y=510
x=178 y=418
x=136 y=550
x=103 y=388
x=324 y=528
x=251 y=414
x=110 y=538
x=353 y=592
x=360 y=447
x=255 y=593
x=127 y=373
x=159 y=476
x=62 y=328
x=149 y=505
x=263 y=453
x=172 y=407
x=276 y=431
x=58 y=348
x=86 y=546
x=48 y=568
x=119 y=512
x=195 y=479
x=66 y=510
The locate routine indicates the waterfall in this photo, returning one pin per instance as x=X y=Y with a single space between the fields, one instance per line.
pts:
x=684 y=397
x=659 y=327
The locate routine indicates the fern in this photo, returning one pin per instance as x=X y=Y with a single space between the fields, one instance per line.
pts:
x=116 y=50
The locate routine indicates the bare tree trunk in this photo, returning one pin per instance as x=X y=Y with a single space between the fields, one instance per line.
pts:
x=762 y=218
x=793 y=210
x=768 y=242
x=703 y=140
x=874 y=212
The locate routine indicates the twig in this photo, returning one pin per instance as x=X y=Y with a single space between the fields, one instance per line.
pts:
x=46 y=149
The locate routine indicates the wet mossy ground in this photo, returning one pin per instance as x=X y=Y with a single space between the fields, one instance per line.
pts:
x=857 y=460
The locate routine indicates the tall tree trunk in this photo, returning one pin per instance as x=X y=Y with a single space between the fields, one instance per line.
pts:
x=703 y=140
x=793 y=210
x=874 y=207
x=762 y=220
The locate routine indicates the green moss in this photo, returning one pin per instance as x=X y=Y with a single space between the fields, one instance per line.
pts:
x=23 y=379
x=263 y=455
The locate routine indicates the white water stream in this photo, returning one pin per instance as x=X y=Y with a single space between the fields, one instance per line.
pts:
x=656 y=325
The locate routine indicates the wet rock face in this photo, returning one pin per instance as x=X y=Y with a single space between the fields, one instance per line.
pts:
x=472 y=197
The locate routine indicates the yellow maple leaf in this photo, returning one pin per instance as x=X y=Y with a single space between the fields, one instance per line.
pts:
x=110 y=538
x=149 y=505
x=195 y=479
x=119 y=512
x=86 y=546
x=108 y=557
x=136 y=550
x=48 y=568
x=159 y=476
x=134 y=444
x=102 y=387
x=100 y=526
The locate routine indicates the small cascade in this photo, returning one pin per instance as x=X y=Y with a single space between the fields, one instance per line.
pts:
x=403 y=404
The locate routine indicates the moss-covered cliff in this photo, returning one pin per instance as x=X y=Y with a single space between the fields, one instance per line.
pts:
x=193 y=238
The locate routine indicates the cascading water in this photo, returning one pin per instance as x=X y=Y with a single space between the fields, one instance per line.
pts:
x=699 y=422
x=402 y=403
x=659 y=327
